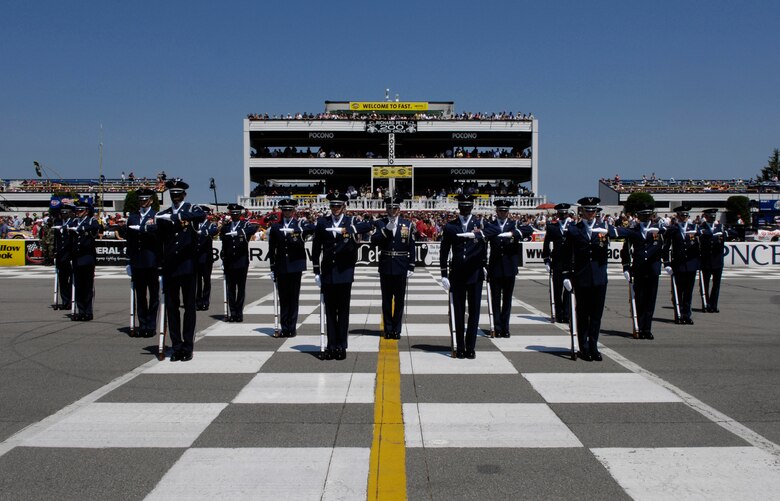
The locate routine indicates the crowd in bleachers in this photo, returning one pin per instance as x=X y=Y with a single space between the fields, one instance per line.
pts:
x=321 y=152
x=653 y=184
x=503 y=115
x=379 y=193
x=118 y=185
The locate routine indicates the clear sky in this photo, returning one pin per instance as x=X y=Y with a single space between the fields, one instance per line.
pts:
x=685 y=89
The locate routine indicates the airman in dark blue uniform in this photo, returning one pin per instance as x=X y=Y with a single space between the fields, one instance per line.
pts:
x=463 y=274
x=395 y=240
x=502 y=264
x=63 y=248
x=334 y=255
x=83 y=231
x=641 y=258
x=145 y=255
x=177 y=229
x=287 y=256
x=204 y=260
x=681 y=260
x=585 y=255
x=712 y=245
x=552 y=253
x=235 y=237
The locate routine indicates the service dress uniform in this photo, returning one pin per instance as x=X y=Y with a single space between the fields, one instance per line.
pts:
x=287 y=256
x=83 y=232
x=204 y=261
x=235 y=237
x=334 y=255
x=462 y=274
x=712 y=245
x=395 y=240
x=641 y=257
x=681 y=257
x=63 y=248
x=144 y=253
x=586 y=255
x=503 y=262
x=552 y=253
x=176 y=226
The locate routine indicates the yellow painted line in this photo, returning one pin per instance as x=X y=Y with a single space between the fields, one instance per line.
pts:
x=387 y=469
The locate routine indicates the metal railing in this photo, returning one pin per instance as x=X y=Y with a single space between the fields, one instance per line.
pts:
x=481 y=204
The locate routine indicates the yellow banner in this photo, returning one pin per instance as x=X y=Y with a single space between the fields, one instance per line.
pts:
x=387 y=106
x=395 y=171
x=12 y=252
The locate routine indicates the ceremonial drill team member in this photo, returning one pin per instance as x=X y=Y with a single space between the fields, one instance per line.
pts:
x=334 y=255
x=641 y=257
x=502 y=265
x=395 y=239
x=63 y=248
x=586 y=254
x=287 y=256
x=84 y=229
x=235 y=237
x=144 y=253
x=178 y=236
x=712 y=243
x=463 y=275
x=681 y=260
x=552 y=253
x=204 y=260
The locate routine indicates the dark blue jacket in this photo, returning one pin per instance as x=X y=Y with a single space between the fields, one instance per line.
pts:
x=143 y=245
x=505 y=251
x=469 y=255
x=203 y=249
x=179 y=239
x=396 y=251
x=642 y=255
x=235 y=248
x=286 y=251
x=63 y=245
x=712 y=245
x=334 y=256
x=83 y=252
x=585 y=259
x=552 y=248
x=681 y=251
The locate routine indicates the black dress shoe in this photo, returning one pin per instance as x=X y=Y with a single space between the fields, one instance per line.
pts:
x=714 y=310
x=186 y=357
x=87 y=317
x=583 y=356
x=239 y=318
x=397 y=335
x=507 y=334
x=688 y=321
x=205 y=307
x=460 y=354
x=471 y=354
x=596 y=356
x=326 y=355
x=228 y=318
x=340 y=354
x=176 y=356
x=649 y=335
x=388 y=335
x=150 y=333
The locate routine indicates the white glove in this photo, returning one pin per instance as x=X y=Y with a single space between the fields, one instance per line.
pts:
x=135 y=227
x=506 y=234
x=627 y=274
x=409 y=274
x=167 y=217
x=56 y=227
x=129 y=271
x=286 y=230
x=445 y=282
x=273 y=277
x=318 y=281
x=467 y=235
x=73 y=228
x=232 y=233
x=567 y=284
x=669 y=270
x=547 y=267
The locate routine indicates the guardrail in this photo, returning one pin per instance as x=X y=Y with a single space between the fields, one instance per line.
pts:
x=267 y=203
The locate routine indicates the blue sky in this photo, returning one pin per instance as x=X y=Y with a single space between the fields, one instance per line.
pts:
x=682 y=89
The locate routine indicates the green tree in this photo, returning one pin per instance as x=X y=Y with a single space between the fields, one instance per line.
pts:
x=737 y=206
x=637 y=200
x=772 y=169
x=132 y=204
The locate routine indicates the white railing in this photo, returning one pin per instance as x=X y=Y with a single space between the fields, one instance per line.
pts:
x=267 y=203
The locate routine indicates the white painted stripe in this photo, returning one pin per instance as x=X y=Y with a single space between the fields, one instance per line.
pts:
x=308 y=388
x=598 y=388
x=523 y=343
x=357 y=343
x=216 y=362
x=441 y=362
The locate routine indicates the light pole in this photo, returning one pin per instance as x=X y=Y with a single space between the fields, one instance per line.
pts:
x=213 y=187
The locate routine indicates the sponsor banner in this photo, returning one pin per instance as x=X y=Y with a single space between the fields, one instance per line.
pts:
x=12 y=252
x=388 y=106
x=391 y=126
x=33 y=252
x=769 y=205
x=394 y=171
x=111 y=252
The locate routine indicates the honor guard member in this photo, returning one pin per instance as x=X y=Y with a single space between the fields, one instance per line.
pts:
x=177 y=229
x=204 y=260
x=144 y=253
x=83 y=231
x=334 y=255
x=681 y=260
x=63 y=248
x=552 y=253
x=502 y=264
x=641 y=257
x=287 y=255
x=395 y=239
x=235 y=237
x=712 y=244
x=463 y=274
x=585 y=255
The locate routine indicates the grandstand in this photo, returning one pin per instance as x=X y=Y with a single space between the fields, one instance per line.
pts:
x=423 y=151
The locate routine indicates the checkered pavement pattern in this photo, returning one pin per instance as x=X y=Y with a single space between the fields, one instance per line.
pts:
x=269 y=420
